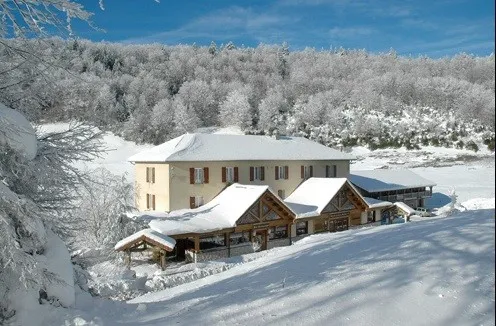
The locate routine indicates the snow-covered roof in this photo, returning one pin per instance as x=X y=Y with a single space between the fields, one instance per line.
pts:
x=221 y=147
x=147 y=234
x=377 y=203
x=404 y=207
x=220 y=213
x=313 y=195
x=388 y=180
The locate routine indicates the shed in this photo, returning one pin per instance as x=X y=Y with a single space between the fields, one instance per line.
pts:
x=140 y=241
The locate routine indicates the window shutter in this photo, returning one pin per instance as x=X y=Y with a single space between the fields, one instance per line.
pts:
x=262 y=173
x=153 y=202
x=252 y=173
x=153 y=175
x=311 y=171
x=335 y=171
x=224 y=174
x=147 y=174
x=205 y=175
x=191 y=202
x=147 y=201
x=191 y=175
x=302 y=172
x=286 y=172
x=236 y=174
x=327 y=171
x=277 y=172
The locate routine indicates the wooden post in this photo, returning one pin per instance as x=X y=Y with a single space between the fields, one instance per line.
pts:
x=290 y=234
x=127 y=259
x=162 y=259
x=197 y=243
x=228 y=239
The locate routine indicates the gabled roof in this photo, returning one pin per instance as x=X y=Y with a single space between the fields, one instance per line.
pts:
x=313 y=195
x=376 y=203
x=405 y=208
x=388 y=180
x=219 y=147
x=222 y=212
x=149 y=236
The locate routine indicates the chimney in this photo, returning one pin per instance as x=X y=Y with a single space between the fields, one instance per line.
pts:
x=275 y=134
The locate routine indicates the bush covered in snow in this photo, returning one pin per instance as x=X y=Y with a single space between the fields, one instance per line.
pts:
x=37 y=181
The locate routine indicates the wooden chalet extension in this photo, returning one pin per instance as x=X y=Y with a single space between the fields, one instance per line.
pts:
x=238 y=217
x=327 y=204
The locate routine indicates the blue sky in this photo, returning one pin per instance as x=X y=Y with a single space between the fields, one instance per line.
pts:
x=435 y=28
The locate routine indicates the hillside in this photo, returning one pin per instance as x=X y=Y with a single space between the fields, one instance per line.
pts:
x=152 y=93
x=431 y=272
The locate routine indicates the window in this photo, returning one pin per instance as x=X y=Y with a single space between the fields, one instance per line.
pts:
x=150 y=202
x=230 y=174
x=257 y=173
x=150 y=175
x=281 y=172
x=331 y=171
x=199 y=178
x=278 y=232
x=281 y=193
x=195 y=201
x=306 y=172
x=198 y=175
x=301 y=228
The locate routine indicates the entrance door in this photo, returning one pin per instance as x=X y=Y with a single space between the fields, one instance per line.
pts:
x=261 y=238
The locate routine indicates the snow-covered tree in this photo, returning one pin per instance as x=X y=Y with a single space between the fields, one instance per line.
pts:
x=103 y=203
x=236 y=110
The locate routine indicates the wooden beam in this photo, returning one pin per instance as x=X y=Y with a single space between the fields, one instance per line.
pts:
x=197 y=243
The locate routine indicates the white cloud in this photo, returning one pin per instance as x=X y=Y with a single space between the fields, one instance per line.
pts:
x=222 y=24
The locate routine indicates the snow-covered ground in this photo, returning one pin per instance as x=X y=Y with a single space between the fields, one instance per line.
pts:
x=433 y=272
x=428 y=272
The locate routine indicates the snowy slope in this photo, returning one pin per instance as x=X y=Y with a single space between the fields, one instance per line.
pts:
x=432 y=272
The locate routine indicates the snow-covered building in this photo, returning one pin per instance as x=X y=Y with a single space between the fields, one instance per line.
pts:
x=239 y=217
x=192 y=169
x=326 y=204
x=393 y=186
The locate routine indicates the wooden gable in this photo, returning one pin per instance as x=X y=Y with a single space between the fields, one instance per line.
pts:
x=346 y=199
x=267 y=208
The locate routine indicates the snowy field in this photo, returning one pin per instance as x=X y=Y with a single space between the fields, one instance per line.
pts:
x=433 y=272
x=430 y=272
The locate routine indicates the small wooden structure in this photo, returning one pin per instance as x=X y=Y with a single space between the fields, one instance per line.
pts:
x=145 y=240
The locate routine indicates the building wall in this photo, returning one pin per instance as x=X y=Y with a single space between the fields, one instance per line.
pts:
x=181 y=190
x=160 y=188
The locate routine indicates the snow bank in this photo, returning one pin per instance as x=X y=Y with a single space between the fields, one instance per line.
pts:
x=17 y=132
x=479 y=203
x=58 y=262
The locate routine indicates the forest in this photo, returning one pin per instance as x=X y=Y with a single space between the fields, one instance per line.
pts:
x=339 y=97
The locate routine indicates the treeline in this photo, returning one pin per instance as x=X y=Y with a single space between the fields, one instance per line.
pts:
x=151 y=93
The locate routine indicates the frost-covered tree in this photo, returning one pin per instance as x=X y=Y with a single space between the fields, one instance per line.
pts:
x=37 y=178
x=185 y=118
x=236 y=110
x=38 y=182
x=103 y=203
